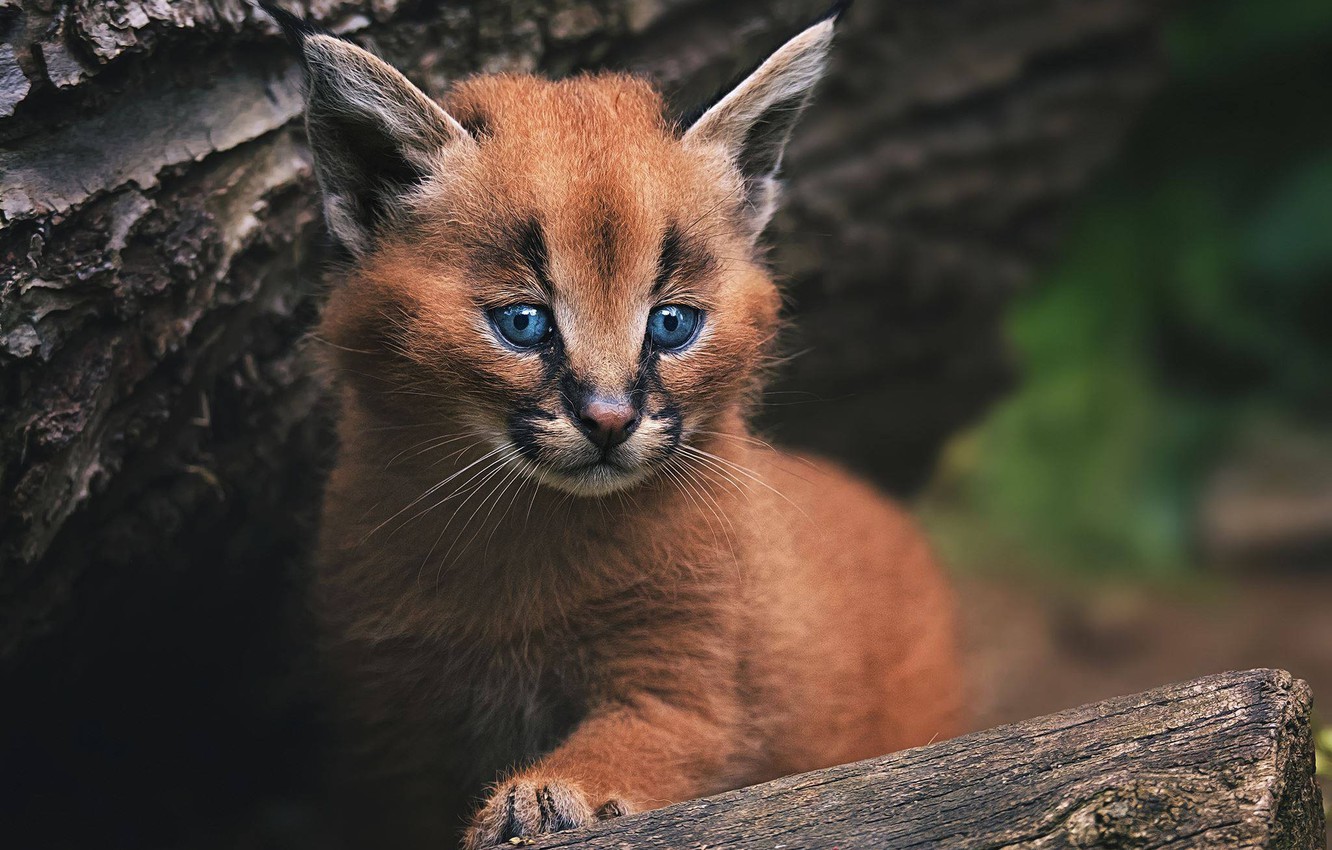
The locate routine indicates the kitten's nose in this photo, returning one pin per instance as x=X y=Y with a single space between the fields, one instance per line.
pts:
x=608 y=421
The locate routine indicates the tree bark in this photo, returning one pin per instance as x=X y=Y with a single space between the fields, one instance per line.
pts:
x=163 y=435
x=1221 y=762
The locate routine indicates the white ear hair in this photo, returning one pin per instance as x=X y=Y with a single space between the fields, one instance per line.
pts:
x=354 y=81
x=374 y=135
x=753 y=122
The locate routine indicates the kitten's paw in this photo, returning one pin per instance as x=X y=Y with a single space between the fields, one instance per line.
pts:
x=524 y=808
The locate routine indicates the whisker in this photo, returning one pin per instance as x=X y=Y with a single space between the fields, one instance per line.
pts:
x=536 y=491
x=462 y=491
x=718 y=513
x=499 y=470
x=454 y=454
x=521 y=479
x=678 y=475
x=378 y=428
x=331 y=344
x=436 y=443
x=754 y=441
x=748 y=473
x=465 y=493
x=429 y=491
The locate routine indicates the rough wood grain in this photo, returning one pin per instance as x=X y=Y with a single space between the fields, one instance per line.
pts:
x=1221 y=762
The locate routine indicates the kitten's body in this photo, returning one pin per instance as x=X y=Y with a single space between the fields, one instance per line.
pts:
x=766 y=637
x=561 y=563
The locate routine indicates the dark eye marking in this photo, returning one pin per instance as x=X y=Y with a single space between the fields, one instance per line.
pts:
x=510 y=247
x=525 y=426
x=572 y=390
x=532 y=248
x=673 y=427
x=680 y=258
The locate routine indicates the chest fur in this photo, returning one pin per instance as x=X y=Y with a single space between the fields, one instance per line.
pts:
x=510 y=703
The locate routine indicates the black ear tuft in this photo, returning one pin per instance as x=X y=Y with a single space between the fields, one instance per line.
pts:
x=294 y=27
x=836 y=11
x=687 y=117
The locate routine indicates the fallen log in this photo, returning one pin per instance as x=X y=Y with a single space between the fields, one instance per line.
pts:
x=1224 y=761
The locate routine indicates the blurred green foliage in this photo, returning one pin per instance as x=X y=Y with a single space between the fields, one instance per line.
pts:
x=1194 y=295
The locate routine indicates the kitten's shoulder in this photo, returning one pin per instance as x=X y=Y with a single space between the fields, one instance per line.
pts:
x=827 y=500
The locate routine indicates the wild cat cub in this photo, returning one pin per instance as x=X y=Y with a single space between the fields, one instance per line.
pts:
x=561 y=580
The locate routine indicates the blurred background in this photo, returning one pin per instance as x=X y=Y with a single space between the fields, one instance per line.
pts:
x=1060 y=275
x=1153 y=501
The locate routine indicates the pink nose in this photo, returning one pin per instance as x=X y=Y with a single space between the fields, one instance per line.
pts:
x=608 y=422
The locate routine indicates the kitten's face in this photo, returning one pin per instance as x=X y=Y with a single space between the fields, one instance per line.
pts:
x=552 y=267
x=577 y=289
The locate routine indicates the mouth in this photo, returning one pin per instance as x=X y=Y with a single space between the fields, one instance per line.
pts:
x=598 y=477
x=604 y=463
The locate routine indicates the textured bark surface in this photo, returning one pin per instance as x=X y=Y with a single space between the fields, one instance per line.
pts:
x=162 y=434
x=1221 y=762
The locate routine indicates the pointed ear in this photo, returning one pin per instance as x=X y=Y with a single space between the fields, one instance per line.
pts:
x=374 y=135
x=753 y=121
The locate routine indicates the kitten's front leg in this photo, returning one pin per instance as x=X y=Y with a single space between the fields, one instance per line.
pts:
x=530 y=805
x=638 y=755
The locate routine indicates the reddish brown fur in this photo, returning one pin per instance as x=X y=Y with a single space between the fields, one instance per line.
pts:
x=720 y=622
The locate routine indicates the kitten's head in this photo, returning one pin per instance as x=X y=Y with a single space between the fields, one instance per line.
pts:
x=556 y=267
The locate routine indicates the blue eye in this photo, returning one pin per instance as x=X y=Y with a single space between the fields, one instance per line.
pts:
x=672 y=326
x=523 y=325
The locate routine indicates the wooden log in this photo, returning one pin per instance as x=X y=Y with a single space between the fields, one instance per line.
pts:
x=1223 y=761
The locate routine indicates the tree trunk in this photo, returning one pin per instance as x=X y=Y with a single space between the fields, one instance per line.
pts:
x=1224 y=762
x=162 y=435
